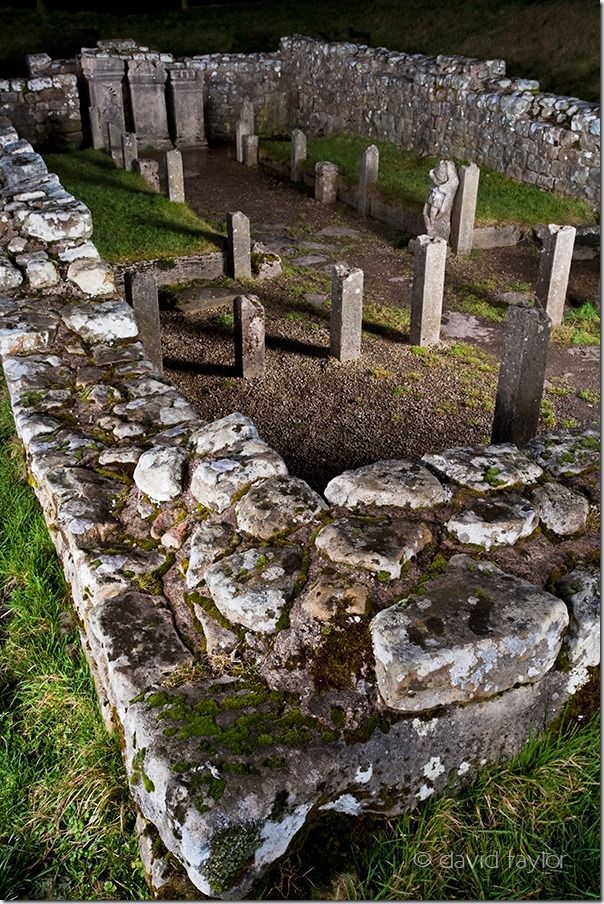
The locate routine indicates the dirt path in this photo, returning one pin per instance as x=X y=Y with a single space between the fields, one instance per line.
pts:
x=324 y=417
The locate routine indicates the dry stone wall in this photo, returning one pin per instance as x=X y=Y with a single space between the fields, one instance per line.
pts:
x=267 y=654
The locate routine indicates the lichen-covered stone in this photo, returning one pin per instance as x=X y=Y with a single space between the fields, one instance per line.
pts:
x=382 y=545
x=216 y=481
x=277 y=504
x=92 y=276
x=498 y=521
x=223 y=434
x=334 y=596
x=580 y=590
x=566 y=453
x=484 y=468
x=561 y=510
x=10 y=277
x=57 y=222
x=40 y=272
x=471 y=633
x=159 y=473
x=100 y=321
x=399 y=483
x=252 y=588
x=209 y=541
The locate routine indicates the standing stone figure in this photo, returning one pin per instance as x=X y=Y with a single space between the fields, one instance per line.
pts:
x=439 y=203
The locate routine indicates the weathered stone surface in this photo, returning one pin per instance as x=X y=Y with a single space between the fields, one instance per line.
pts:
x=40 y=272
x=252 y=588
x=93 y=277
x=395 y=482
x=277 y=504
x=561 y=510
x=326 y=182
x=216 y=481
x=580 y=590
x=148 y=169
x=346 y=319
x=554 y=268
x=100 y=321
x=566 y=453
x=297 y=155
x=474 y=632
x=159 y=473
x=381 y=545
x=464 y=209
x=430 y=256
x=368 y=176
x=239 y=248
x=10 y=277
x=334 y=596
x=250 y=352
x=223 y=434
x=53 y=224
x=141 y=294
x=484 y=468
x=498 y=521
x=439 y=204
x=209 y=541
x=72 y=252
x=174 y=176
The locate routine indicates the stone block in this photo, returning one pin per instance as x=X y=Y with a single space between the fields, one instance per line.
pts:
x=239 y=248
x=346 y=320
x=129 y=150
x=149 y=170
x=249 y=337
x=187 y=106
x=430 y=257
x=326 y=182
x=555 y=259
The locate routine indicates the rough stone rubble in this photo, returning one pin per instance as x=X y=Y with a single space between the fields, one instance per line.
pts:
x=269 y=655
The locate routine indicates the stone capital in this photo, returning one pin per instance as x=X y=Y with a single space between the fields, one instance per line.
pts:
x=146 y=72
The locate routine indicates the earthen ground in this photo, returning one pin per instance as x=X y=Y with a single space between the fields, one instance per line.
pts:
x=322 y=416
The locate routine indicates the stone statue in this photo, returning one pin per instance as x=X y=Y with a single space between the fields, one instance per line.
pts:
x=439 y=203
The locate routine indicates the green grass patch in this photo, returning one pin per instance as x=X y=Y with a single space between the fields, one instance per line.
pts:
x=581 y=326
x=66 y=818
x=131 y=221
x=404 y=181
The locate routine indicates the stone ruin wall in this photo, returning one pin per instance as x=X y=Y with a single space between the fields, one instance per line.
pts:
x=444 y=105
x=244 y=633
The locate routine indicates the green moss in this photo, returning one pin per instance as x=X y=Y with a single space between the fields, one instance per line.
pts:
x=589 y=442
x=231 y=850
x=208 y=606
x=491 y=476
x=138 y=772
x=384 y=577
x=341 y=656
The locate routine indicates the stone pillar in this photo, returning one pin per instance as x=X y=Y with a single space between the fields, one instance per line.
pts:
x=554 y=268
x=298 y=155
x=326 y=182
x=149 y=170
x=370 y=164
x=521 y=375
x=464 y=209
x=97 y=131
x=242 y=128
x=104 y=75
x=116 y=150
x=427 y=291
x=174 y=178
x=250 y=150
x=186 y=95
x=141 y=295
x=147 y=79
x=346 y=322
x=249 y=337
x=129 y=149
x=239 y=253
x=247 y=115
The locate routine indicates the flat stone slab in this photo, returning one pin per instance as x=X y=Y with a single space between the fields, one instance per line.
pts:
x=561 y=510
x=456 y=325
x=315 y=299
x=308 y=260
x=566 y=453
x=218 y=480
x=471 y=633
x=341 y=232
x=395 y=482
x=100 y=321
x=580 y=590
x=278 y=504
x=499 y=521
x=205 y=300
x=252 y=588
x=484 y=468
x=381 y=545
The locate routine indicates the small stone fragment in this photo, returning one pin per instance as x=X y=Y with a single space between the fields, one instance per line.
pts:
x=484 y=468
x=159 y=473
x=252 y=588
x=209 y=541
x=580 y=590
x=10 y=277
x=381 y=546
x=277 y=504
x=93 y=277
x=499 y=521
x=561 y=510
x=395 y=482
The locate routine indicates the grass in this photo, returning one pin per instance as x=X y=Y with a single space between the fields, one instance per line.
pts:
x=556 y=41
x=581 y=326
x=131 y=221
x=66 y=819
x=404 y=180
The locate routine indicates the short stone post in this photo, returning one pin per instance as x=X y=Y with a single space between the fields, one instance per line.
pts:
x=521 y=375
x=115 y=145
x=250 y=150
x=147 y=79
x=298 y=155
x=554 y=268
x=427 y=291
x=141 y=295
x=370 y=164
x=326 y=182
x=463 y=214
x=129 y=149
x=97 y=130
x=346 y=323
x=249 y=337
x=239 y=247
x=149 y=170
x=174 y=176
x=187 y=103
x=242 y=128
